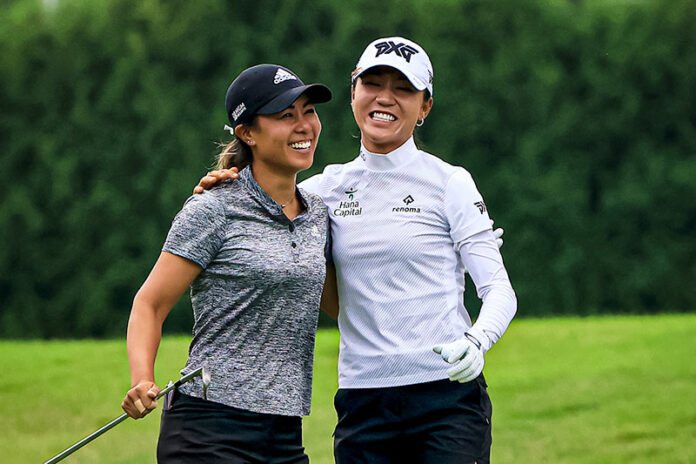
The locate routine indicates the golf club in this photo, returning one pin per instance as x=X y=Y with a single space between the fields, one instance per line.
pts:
x=200 y=372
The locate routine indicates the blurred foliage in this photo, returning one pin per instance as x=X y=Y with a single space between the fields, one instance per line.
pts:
x=577 y=120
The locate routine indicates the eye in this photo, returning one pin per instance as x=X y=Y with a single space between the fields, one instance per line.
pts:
x=368 y=81
x=286 y=115
x=310 y=111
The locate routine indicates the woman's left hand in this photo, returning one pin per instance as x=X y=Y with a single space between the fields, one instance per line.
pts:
x=466 y=354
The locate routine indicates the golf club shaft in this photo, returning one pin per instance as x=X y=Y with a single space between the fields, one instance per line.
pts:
x=87 y=439
x=59 y=457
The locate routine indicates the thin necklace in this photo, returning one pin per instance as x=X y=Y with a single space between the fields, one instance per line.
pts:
x=292 y=200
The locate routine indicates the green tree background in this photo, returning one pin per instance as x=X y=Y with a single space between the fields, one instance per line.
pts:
x=576 y=118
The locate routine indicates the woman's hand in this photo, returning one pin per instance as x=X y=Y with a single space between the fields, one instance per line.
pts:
x=498 y=235
x=214 y=178
x=140 y=400
x=468 y=356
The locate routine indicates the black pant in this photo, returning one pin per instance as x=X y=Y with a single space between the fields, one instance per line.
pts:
x=194 y=430
x=435 y=423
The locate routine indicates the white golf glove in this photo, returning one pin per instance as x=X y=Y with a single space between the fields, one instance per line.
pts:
x=466 y=353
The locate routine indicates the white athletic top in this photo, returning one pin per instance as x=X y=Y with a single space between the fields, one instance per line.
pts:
x=404 y=225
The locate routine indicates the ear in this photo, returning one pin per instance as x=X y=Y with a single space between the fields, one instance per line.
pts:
x=243 y=133
x=352 y=93
x=425 y=108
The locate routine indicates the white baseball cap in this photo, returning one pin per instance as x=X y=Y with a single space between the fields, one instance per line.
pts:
x=401 y=54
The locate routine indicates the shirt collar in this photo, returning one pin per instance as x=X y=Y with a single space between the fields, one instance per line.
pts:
x=247 y=177
x=392 y=160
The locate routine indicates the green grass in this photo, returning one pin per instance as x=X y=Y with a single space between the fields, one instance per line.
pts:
x=591 y=390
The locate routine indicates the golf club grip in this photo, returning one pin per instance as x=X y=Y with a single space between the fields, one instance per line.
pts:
x=187 y=378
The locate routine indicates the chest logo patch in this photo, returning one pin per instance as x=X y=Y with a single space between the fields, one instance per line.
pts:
x=349 y=207
x=406 y=209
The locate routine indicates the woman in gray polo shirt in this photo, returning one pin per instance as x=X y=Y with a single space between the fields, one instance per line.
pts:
x=254 y=254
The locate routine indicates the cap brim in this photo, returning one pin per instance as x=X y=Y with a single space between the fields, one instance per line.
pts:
x=417 y=83
x=317 y=93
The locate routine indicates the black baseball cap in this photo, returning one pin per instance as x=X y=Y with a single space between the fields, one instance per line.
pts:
x=268 y=89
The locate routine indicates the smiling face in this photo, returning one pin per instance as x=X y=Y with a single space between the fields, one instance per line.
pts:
x=387 y=107
x=284 y=141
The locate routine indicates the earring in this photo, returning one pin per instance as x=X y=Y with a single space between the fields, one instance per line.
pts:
x=420 y=122
x=250 y=142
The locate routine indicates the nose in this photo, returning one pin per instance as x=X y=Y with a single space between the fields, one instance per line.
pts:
x=303 y=125
x=385 y=96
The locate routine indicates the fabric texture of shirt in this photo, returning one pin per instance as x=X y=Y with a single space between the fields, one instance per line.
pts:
x=403 y=227
x=256 y=302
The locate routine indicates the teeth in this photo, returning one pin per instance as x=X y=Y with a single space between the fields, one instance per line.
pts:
x=301 y=145
x=383 y=117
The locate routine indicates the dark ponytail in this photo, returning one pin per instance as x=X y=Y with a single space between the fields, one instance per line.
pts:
x=235 y=154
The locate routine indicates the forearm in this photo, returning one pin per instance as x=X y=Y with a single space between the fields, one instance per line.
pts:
x=498 y=308
x=329 y=295
x=482 y=258
x=144 y=336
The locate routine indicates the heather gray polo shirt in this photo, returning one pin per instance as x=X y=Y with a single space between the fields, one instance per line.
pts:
x=256 y=302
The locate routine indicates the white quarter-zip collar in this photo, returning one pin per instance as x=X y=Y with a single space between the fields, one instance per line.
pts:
x=392 y=160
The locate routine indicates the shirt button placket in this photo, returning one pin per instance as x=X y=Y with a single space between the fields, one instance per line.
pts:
x=293 y=244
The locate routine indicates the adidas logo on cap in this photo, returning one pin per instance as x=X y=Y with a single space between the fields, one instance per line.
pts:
x=282 y=75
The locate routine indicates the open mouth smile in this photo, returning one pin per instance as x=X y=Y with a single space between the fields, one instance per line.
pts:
x=382 y=117
x=303 y=145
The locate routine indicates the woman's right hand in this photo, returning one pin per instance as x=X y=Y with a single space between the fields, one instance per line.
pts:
x=140 y=400
x=213 y=178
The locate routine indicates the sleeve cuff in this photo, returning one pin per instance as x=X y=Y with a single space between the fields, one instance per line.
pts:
x=481 y=336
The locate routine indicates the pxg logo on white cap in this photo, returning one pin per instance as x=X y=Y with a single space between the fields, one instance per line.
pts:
x=401 y=54
x=400 y=49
